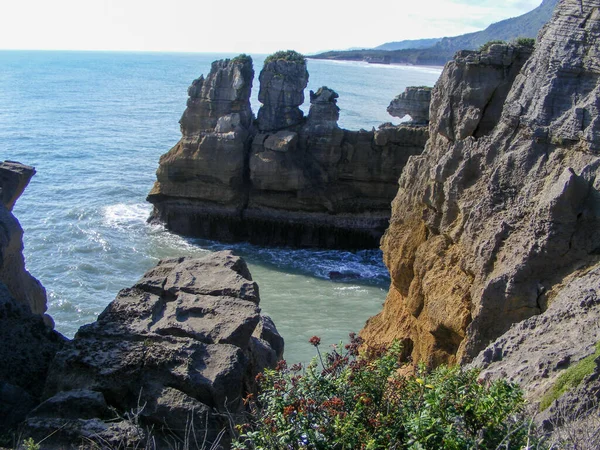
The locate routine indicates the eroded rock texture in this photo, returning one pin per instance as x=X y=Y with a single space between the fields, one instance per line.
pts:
x=282 y=85
x=28 y=342
x=24 y=288
x=174 y=354
x=504 y=204
x=414 y=102
x=290 y=180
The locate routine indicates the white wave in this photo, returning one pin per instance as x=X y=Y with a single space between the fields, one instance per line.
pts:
x=124 y=215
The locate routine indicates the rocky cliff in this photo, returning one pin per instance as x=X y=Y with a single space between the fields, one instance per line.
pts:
x=28 y=342
x=14 y=178
x=285 y=179
x=500 y=215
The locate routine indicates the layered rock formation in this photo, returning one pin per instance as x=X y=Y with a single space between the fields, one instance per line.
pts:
x=282 y=84
x=414 y=102
x=28 y=343
x=501 y=213
x=296 y=180
x=14 y=178
x=169 y=359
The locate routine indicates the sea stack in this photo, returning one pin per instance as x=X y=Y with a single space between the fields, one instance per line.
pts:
x=284 y=179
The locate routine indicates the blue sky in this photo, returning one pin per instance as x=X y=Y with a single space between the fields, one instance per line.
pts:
x=259 y=26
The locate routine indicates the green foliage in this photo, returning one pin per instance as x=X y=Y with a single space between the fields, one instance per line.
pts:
x=485 y=47
x=570 y=379
x=525 y=42
x=242 y=59
x=30 y=444
x=287 y=55
x=343 y=400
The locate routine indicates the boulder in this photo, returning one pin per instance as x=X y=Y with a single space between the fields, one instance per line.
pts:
x=174 y=354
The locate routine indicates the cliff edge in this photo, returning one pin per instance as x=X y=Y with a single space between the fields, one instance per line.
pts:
x=502 y=209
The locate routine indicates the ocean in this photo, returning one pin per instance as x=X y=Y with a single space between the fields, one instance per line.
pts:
x=94 y=125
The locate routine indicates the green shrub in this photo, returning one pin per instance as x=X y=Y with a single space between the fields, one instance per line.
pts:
x=287 y=55
x=525 y=42
x=343 y=400
x=485 y=47
x=30 y=444
x=242 y=59
x=570 y=378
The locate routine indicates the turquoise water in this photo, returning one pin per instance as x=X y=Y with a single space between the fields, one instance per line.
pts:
x=94 y=125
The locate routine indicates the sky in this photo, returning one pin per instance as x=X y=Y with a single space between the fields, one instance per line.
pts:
x=258 y=26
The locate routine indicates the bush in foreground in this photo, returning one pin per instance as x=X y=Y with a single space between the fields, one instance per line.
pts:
x=347 y=400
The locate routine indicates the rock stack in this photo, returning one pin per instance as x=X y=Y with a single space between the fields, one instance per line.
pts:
x=287 y=180
x=282 y=83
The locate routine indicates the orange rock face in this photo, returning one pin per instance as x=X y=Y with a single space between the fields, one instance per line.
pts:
x=504 y=203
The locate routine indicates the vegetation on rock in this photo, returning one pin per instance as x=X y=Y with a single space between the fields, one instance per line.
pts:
x=485 y=47
x=286 y=55
x=351 y=400
x=525 y=42
x=570 y=378
x=242 y=59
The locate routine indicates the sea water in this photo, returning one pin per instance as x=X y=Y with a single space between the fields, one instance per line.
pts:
x=94 y=125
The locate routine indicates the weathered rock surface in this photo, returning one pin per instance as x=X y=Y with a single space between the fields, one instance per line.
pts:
x=207 y=164
x=503 y=205
x=179 y=351
x=414 y=102
x=24 y=288
x=302 y=181
x=536 y=351
x=28 y=347
x=28 y=343
x=282 y=85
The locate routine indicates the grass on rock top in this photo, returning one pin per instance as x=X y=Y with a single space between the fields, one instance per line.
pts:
x=286 y=55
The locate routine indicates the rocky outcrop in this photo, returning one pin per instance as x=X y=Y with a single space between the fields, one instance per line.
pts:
x=24 y=288
x=302 y=181
x=208 y=163
x=414 y=102
x=503 y=205
x=172 y=358
x=282 y=84
x=28 y=343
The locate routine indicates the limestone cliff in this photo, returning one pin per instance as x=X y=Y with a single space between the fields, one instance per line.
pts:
x=503 y=206
x=286 y=179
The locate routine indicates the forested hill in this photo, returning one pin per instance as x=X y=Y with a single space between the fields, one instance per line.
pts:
x=441 y=51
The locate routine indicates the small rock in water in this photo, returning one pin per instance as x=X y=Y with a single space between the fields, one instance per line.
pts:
x=335 y=275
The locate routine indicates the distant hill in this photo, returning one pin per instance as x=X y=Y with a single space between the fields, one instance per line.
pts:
x=441 y=51
x=411 y=43
x=527 y=25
